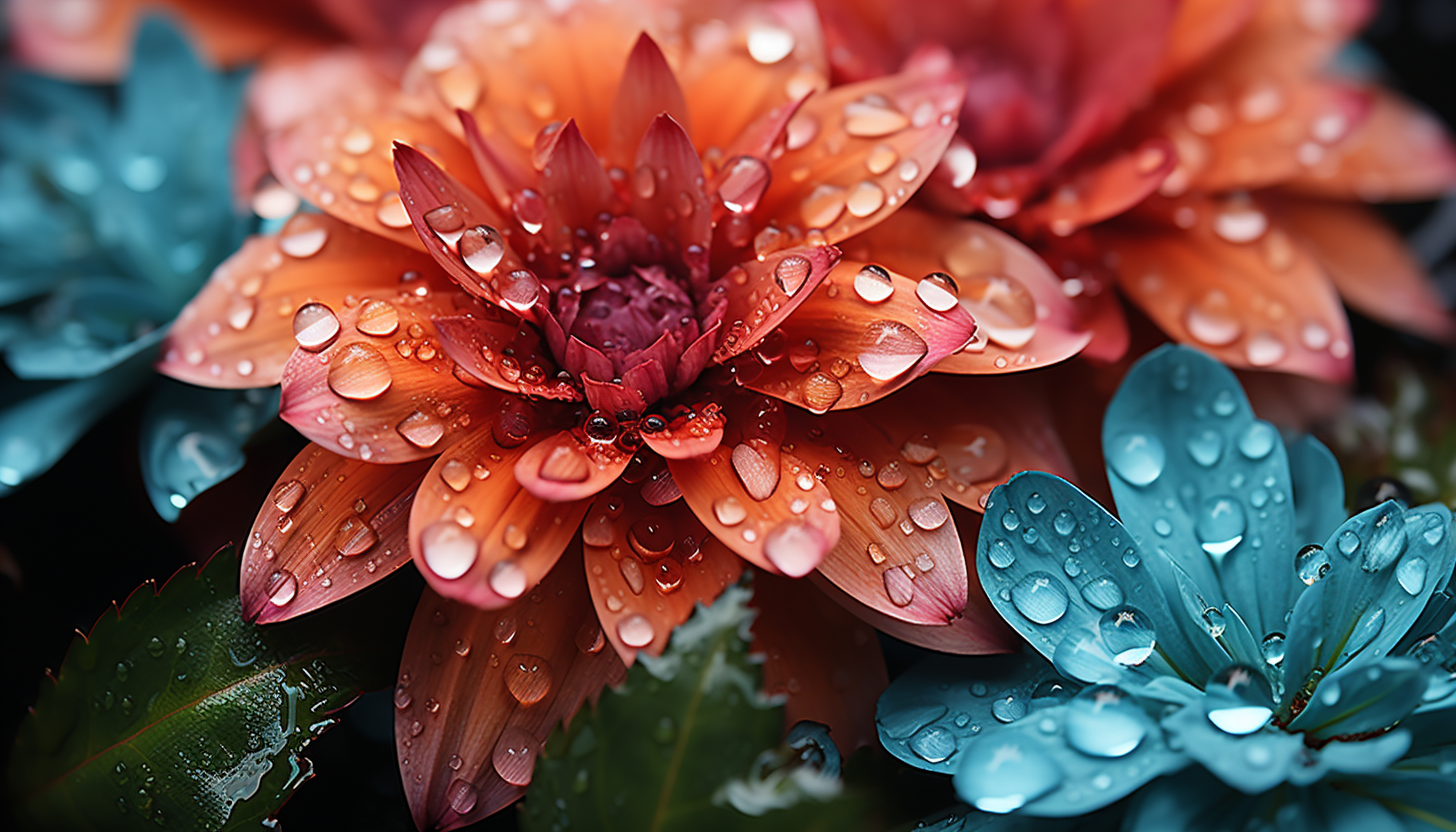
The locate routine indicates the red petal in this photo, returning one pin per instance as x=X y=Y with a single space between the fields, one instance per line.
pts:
x=668 y=196
x=385 y=398
x=480 y=691
x=505 y=353
x=898 y=550
x=761 y=293
x=463 y=233
x=762 y=502
x=692 y=434
x=576 y=188
x=1260 y=302
x=1400 y=152
x=972 y=436
x=238 y=331
x=332 y=526
x=567 y=466
x=855 y=153
x=648 y=90
x=1024 y=318
x=1369 y=264
x=1200 y=28
x=477 y=534
x=825 y=662
x=1103 y=190
x=648 y=566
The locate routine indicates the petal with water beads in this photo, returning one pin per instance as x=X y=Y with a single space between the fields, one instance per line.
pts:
x=479 y=691
x=331 y=526
x=762 y=292
x=570 y=465
x=504 y=352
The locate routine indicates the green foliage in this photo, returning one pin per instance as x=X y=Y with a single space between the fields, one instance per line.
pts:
x=688 y=743
x=177 y=713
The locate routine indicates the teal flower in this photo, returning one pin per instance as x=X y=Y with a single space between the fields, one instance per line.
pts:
x=1228 y=650
x=115 y=205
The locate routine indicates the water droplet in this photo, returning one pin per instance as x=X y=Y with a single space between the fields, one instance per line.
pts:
x=378 y=318
x=1238 y=700
x=1008 y=709
x=1064 y=523
x=302 y=244
x=820 y=391
x=315 y=326
x=462 y=794
x=1348 y=542
x=1258 y=440
x=1040 y=597
x=888 y=349
x=481 y=248
x=354 y=537
x=929 y=513
x=1206 y=447
x=1312 y=563
x=1102 y=593
x=769 y=44
x=864 y=199
x=933 y=744
x=794 y=547
x=1001 y=554
x=635 y=630
x=873 y=284
x=1412 y=575
x=791 y=273
x=507 y=578
x=899 y=587
x=287 y=495
x=448 y=550
x=359 y=372
x=1213 y=622
x=1273 y=649
x=1003 y=773
x=1220 y=525
x=1264 y=349
x=1387 y=540
x=729 y=511
x=1103 y=721
x=1128 y=634
x=282 y=588
x=1136 y=457
x=872 y=117
x=528 y=678
x=421 y=429
x=514 y=756
x=938 y=292
x=1240 y=224
x=1212 y=320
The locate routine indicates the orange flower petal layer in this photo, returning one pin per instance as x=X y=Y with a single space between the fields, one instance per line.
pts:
x=648 y=89
x=693 y=434
x=333 y=526
x=480 y=690
x=238 y=331
x=760 y=294
x=647 y=566
x=568 y=466
x=825 y=662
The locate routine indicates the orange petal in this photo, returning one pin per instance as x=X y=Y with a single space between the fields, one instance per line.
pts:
x=825 y=662
x=1225 y=278
x=692 y=434
x=477 y=534
x=340 y=157
x=463 y=232
x=1024 y=318
x=648 y=89
x=502 y=351
x=480 y=691
x=855 y=153
x=972 y=435
x=761 y=293
x=332 y=526
x=1369 y=264
x=863 y=334
x=898 y=550
x=979 y=631
x=1400 y=152
x=761 y=501
x=568 y=466
x=1200 y=28
x=390 y=396
x=647 y=566
x=1102 y=190
x=238 y=331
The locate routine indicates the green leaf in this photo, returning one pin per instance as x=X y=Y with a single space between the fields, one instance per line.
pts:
x=686 y=739
x=174 y=711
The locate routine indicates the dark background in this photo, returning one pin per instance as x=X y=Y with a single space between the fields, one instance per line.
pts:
x=84 y=535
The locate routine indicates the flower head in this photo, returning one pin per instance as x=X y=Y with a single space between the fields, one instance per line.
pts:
x=1226 y=635
x=1204 y=157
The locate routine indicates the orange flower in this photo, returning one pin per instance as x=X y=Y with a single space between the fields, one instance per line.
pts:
x=581 y=259
x=1203 y=156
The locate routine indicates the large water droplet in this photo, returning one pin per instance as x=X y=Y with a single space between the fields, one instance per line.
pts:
x=1136 y=457
x=929 y=513
x=1212 y=320
x=888 y=349
x=758 y=474
x=1003 y=773
x=821 y=391
x=1412 y=575
x=791 y=273
x=1312 y=563
x=1238 y=700
x=1103 y=721
x=528 y=678
x=1128 y=634
x=1064 y=523
x=462 y=796
x=1102 y=593
x=303 y=243
x=421 y=429
x=743 y=184
x=933 y=744
x=315 y=326
x=378 y=318
x=729 y=511
x=507 y=578
x=448 y=550
x=1257 y=440
x=1040 y=597
x=1220 y=525
x=1205 y=447
x=873 y=284
x=354 y=537
x=514 y=756
x=359 y=372
x=872 y=117
x=635 y=630
x=1001 y=554
x=1273 y=649
x=1387 y=540
x=282 y=587
x=287 y=495
x=794 y=546
x=938 y=292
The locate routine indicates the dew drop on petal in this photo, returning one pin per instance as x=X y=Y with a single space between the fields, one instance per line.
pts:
x=514 y=756
x=421 y=429
x=938 y=292
x=873 y=284
x=635 y=630
x=378 y=318
x=1001 y=773
x=1136 y=457
x=888 y=349
x=791 y=273
x=463 y=796
x=303 y=244
x=507 y=579
x=729 y=511
x=1128 y=635
x=1102 y=593
x=448 y=550
x=1411 y=573
x=1312 y=563
x=287 y=495
x=315 y=326
x=282 y=588
x=1040 y=598
x=929 y=513
x=481 y=248
x=359 y=372
x=1104 y=721
x=1238 y=700
x=794 y=547
x=528 y=678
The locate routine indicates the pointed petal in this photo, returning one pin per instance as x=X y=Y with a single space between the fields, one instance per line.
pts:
x=505 y=353
x=339 y=157
x=647 y=566
x=971 y=438
x=463 y=233
x=898 y=550
x=1102 y=190
x=331 y=527
x=385 y=398
x=1226 y=278
x=238 y=331
x=648 y=90
x=567 y=466
x=1023 y=315
x=477 y=534
x=695 y=433
x=844 y=351
x=1400 y=152
x=1369 y=264
x=467 y=728
x=825 y=662
x=856 y=152
x=668 y=196
x=576 y=188
x=762 y=292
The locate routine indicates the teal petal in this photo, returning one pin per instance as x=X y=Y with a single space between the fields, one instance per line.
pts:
x=1420 y=792
x=1333 y=810
x=1251 y=763
x=1384 y=565
x=1364 y=697
x=1197 y=477
x=1077 y=586
x=1319 y=490
x=1191 y=801
x=88 y=327
x=192 y=438
x=1369 y=756
x=46 y=419
x=932 y=711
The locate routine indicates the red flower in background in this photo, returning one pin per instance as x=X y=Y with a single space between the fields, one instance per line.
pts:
x=618 y=268
x=1204 y=156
